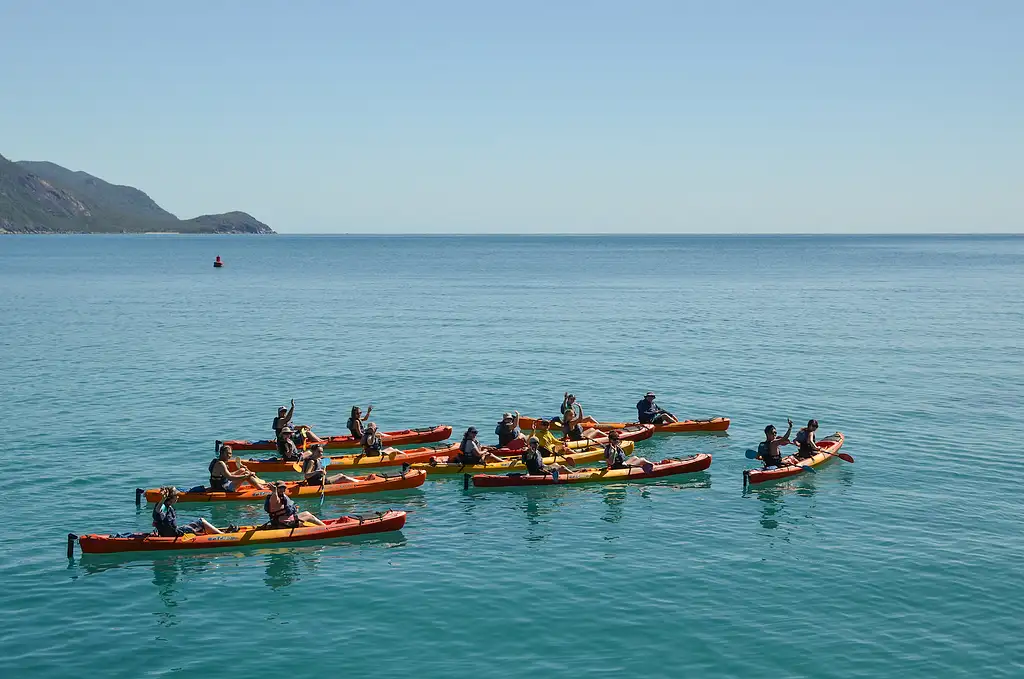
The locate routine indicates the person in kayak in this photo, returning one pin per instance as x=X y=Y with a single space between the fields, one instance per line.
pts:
x=508 y=430
x=615 y=456
x=572 y=415
x=807 y=446
x=471 y=452
x=301 y=434
x=768 y=450
x=223 y=479
x=284 y=418
x=314 y=470
x=373 y=444
x=283 y=512
x=165 y=520
x=286 y=447
x=356 y=419
x=549 y=444
x=648 y=411
x=533 y=458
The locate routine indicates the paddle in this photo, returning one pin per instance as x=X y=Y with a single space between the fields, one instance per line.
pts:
x=752 y=455
x=325 y=462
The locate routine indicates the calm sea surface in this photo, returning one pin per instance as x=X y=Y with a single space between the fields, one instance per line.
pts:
x=123 y=358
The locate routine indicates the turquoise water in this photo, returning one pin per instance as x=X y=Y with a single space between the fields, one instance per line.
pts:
x=123 y=358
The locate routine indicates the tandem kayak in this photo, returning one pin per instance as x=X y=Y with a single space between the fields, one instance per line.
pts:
x=389 y=438
x=790 y=466
x=345 y=526
x=681 y=427
x=276 y=465
x=374 y=483
x=696 y=463
x=444 y=465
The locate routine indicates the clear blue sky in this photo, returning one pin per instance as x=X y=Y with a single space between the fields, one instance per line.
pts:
x=475 y=116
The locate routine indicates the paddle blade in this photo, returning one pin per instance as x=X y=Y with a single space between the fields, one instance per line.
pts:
x=845 y=456
x=751 y=454
x=807 y=469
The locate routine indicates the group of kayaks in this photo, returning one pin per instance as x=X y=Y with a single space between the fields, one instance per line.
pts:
x=415 y=465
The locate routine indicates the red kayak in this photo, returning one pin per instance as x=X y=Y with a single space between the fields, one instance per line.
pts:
x=791 y=467
x=696 y=463
x=389 y=438
x=245 y=535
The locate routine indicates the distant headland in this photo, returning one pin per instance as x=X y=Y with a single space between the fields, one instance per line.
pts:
x=42 y=197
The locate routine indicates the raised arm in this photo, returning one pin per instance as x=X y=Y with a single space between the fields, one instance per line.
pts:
x=288 y=415
x=789 y=430
x=367 y=415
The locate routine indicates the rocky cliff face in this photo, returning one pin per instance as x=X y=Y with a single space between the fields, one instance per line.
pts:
x=42 y=197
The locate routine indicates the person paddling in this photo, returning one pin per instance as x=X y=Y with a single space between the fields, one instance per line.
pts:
x=165 y=519
x=533 y=458
x=471 y=452
x=808 y=447
x=768 y=450
x=223 y=479
x=648 y=411
x=283 y=512
x=314 y=470
x=356 y=419
x=507 y=429
x=615 y=456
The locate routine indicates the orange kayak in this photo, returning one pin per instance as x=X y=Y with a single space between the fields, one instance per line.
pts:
x=345 y=526
x=276 y=465
x=791 y=466
x=683 y=426
x=374 y=483
x=389 y=438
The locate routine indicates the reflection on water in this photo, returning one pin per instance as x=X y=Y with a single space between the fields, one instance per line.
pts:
x=772 y=505
x=285 y=565
x=772 y=495
x=614 y=498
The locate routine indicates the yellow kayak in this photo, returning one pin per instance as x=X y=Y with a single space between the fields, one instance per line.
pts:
x=441 y=465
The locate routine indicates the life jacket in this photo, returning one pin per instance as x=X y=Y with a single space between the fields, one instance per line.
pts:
x=372 y=444
x=614 y=456
x=311 y=466
x=506 y=434
x=803 y=440
x=534 y=461
x=287 y=450
x=353 y=428
x=286 y=510
x=165 y=521
x=764 y=451
x=467 y=452
x=216 y=482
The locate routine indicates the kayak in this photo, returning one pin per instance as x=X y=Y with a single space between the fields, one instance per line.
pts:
x=276 y=465
x=696 y=463
x=444 y=465
x=831 y=444
x=389 y=438
x=681 y=427
x=628 y=432
x=374 y=483
x=245 y=535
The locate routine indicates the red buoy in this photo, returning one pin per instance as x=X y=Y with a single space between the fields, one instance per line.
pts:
x=217 y=263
